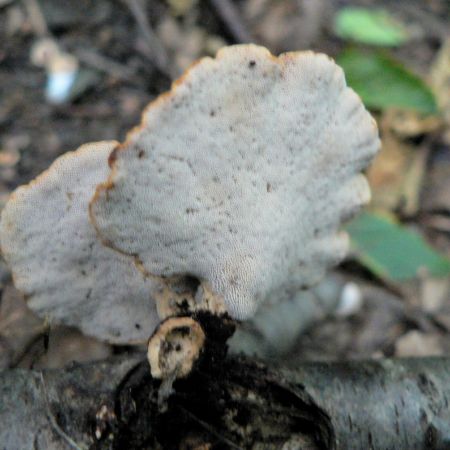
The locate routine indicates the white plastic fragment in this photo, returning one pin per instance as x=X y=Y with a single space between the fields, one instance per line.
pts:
x=60 y=264
x=59 y=86
x=242 y=175
x=61 y=67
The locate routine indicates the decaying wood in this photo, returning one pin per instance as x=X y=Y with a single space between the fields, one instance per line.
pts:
x=56 y=409
x=230 y=403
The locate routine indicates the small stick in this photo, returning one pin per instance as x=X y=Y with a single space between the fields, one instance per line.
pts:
x=156 y=51
x=37 y=18
x=53 y=422
x=105 y=64
x=231 y=17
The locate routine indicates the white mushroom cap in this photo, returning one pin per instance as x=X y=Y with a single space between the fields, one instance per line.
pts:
x=60 y=264
x=242 y=175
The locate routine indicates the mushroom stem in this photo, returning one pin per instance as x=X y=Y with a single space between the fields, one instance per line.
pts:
x=174 y=347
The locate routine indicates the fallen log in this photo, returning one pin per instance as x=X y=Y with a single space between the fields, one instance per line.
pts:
x=233 y=403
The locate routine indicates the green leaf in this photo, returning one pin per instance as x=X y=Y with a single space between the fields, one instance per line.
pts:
x=383 y=82
x=374 y=27
x=393 y=252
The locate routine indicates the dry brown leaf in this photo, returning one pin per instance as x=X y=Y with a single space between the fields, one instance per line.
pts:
x=408 y=123
x=416 y=343
x=396 y=174
x=67 y=345
x=435 y=293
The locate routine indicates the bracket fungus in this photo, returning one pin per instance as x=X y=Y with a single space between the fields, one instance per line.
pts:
x=239 y=178
x=58 y=261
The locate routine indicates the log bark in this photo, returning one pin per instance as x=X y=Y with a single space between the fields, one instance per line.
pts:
x=56 y=409
x=230 y=403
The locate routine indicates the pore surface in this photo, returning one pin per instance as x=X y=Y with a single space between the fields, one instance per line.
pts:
x=60 y=264
x=242 y=175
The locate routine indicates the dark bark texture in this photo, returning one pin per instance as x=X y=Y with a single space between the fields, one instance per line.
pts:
x=56 y=409
x=230 y=403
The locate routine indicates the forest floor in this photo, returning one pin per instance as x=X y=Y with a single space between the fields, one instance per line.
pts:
x=127 y=61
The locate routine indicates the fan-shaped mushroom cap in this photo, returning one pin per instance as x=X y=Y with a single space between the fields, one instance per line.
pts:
x=242 y=175
x=60 y=264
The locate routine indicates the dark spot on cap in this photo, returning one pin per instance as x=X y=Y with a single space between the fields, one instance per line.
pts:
x=138 y=326
x=212 y=113
x=252 y=64
x=141 y=154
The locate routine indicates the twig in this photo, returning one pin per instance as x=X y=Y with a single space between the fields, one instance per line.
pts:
x=232 y=19
x=431 y=22
x=156 y=51
x=208 y=427
x=88 y=56
x=97 y=61
x=5 y=2
x=53 y=422
x=36 y=17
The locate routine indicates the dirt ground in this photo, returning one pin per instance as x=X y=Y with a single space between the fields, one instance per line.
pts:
x=128 y=52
